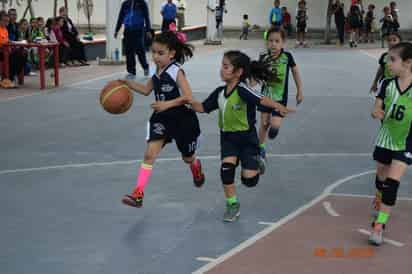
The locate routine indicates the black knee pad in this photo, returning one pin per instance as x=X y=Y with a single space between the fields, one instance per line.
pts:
x=390 y=192
x=251 y=182
x=273 y=132
x=227 y=173
x=378 y=184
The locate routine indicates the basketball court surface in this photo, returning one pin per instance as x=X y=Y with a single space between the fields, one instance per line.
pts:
x=65 y=164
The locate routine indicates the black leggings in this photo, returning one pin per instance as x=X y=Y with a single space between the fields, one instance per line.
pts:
x=340 y=27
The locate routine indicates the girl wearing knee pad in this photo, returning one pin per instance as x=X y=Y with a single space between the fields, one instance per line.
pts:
x=236 y=103
x=172 y=119
x=276 y=88
x=393 y=152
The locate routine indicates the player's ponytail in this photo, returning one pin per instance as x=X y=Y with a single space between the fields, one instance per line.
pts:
x=257 y=70
x=174 y=42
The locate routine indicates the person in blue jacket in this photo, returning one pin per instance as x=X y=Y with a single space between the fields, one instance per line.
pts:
x=134 y=15
x=275 y=15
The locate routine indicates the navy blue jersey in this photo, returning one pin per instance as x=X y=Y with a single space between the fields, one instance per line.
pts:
x=165 y=86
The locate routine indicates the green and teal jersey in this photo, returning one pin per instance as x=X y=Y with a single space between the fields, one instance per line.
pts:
x=237 y=107
x=395 y=132
x=277 y=89
x=383 y=62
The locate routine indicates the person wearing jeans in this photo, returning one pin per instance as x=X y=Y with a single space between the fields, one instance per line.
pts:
x=134 y=15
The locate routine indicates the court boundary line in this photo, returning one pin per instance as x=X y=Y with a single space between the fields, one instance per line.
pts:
x=326 y=192
x=206 y=157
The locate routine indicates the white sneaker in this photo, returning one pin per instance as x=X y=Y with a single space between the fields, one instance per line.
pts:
x=130 y=77
x=31 y=73
x=376 y=237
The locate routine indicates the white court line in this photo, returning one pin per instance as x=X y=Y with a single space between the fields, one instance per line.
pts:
x=369 y=55
x=54 y=88
x=279 y=223
x=365 y=196
x=386 y=240
x=205 y=259
x=266 y=223
x=94 y=79
x=329 y=209
x=128 y=162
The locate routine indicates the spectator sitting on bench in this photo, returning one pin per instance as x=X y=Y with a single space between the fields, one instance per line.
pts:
x=71 y=35
x=54 y=34
x=16 y=57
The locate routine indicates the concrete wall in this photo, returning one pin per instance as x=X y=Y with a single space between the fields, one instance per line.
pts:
x=196 y=14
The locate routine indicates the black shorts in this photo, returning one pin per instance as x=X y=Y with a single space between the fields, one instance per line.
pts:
x=274 y=112
x=183 y=128
x=385 y=156
x=243 y=145
x=301 y=27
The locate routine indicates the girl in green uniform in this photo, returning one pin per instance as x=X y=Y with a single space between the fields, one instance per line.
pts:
x=393 y=152
x=281 y=62
x=236 y=103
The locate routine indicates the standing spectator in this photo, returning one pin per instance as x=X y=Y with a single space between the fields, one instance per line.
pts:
x=134 y=15
x=395 y=16
x=13 y=27
x=180 y=15
x=388 y=24
x=245 y=27
x=355 y=24
x=301 y=24
x=286 y=21
x=369 y=22
x=168 y=12
x=339 y=14
x=220 y=10
x=17 y=58
x=71 y=35
x=275 y=15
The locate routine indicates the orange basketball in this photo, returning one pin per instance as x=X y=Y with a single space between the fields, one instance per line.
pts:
x=116 y=97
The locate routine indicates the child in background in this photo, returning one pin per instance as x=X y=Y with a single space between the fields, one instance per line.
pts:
x=388 y=24
x=301 y=24
x=369 y=22
x=395 y=15
x=23 y=32
x=41 y=26
x=287 y=21
x=245 y=27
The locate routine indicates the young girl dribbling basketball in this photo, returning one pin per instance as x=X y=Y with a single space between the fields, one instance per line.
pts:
x=172 y=119
x=393 y=152
x=237 y=103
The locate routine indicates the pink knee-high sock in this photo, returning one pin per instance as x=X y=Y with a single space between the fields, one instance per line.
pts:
x=143 y=177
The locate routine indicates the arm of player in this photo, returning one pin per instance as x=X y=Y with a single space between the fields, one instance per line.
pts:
x=378 y=76
x=378 y=112
x=267 y=102
x=197 y=106
x=299 y=85
x=185 y=98
x=138 y=87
